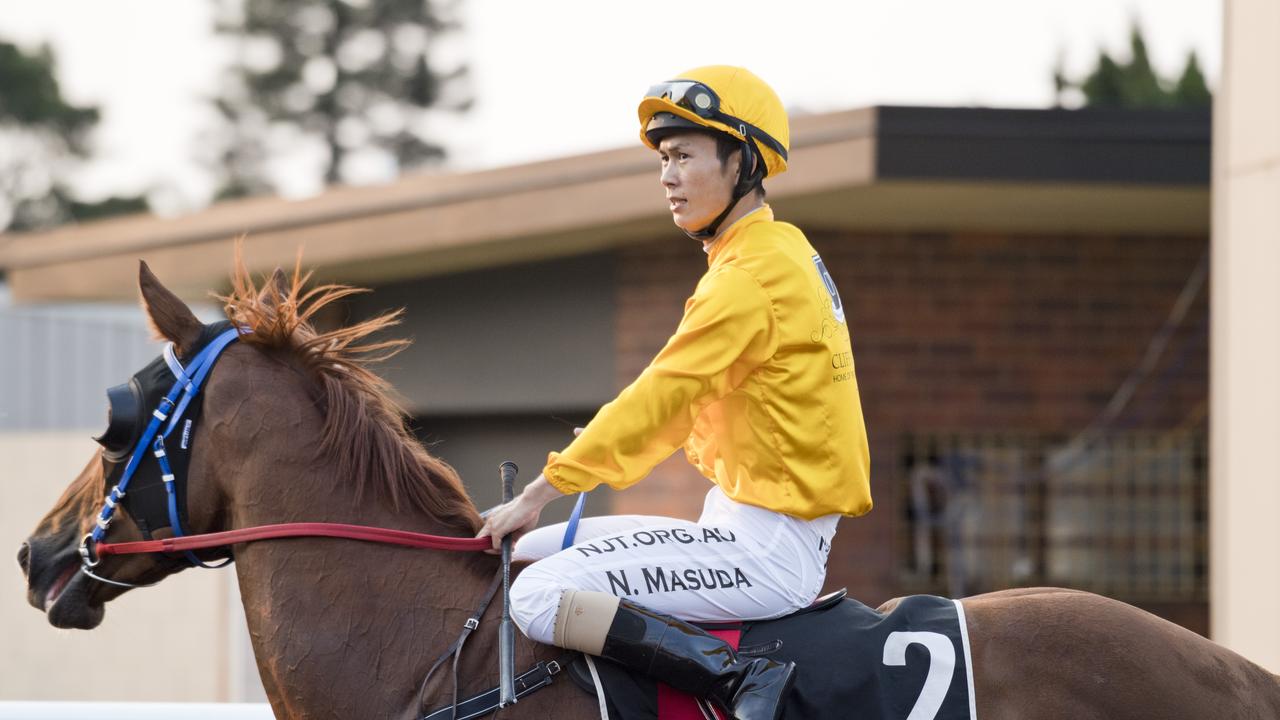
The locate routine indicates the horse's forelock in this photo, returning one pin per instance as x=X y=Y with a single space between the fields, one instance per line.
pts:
x=365 y=433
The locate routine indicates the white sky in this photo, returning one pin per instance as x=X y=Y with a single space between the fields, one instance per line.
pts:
x=554 y=77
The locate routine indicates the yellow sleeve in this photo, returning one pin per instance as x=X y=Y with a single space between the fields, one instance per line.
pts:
x=727 y=331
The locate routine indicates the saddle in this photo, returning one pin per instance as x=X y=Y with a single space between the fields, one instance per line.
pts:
x=851 y=661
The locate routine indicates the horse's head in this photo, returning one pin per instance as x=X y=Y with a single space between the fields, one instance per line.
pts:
x=289 y=425
x=50 y=558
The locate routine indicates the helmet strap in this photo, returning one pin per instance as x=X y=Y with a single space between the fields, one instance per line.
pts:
x=747 y=181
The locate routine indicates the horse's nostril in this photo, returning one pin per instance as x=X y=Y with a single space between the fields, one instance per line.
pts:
x=24 y=558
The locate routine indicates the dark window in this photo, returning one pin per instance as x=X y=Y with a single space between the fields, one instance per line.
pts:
x=1123 y=515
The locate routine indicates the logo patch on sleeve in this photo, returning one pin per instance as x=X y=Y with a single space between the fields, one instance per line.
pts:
x=837 y=308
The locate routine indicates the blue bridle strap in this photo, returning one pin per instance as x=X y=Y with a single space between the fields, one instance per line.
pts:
x=175 y=520
x=172 y=406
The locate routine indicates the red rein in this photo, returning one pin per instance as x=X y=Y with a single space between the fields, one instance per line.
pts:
x=265 y=532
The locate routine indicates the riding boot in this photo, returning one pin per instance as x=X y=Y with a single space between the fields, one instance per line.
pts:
x=692 y=661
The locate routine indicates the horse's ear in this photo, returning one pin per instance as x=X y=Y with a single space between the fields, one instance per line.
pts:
x=170 y=318
x=275 y=290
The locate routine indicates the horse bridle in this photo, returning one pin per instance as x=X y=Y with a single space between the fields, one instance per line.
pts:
x=170 y=410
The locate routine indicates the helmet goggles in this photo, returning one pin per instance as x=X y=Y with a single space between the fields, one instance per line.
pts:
x=690 y=95
x=702 y=101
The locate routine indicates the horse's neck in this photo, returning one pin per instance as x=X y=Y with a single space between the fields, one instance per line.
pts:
x=342 y=628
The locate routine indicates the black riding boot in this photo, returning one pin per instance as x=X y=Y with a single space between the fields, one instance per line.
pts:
x=692 y=661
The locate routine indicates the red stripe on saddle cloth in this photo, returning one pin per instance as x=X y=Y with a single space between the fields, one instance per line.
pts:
x=675 y=705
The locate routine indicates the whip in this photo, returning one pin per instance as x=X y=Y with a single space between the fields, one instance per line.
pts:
x=506 y=630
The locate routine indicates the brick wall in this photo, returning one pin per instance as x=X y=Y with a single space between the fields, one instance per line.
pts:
x=957 y=333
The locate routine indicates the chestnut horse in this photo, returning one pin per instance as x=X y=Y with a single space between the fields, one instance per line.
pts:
x=296 y=428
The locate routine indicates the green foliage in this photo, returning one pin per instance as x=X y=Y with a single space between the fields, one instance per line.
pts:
x=1191 y=89
x=43 y=136
x=1135 y=84
x=30 y=97
x=354 y=77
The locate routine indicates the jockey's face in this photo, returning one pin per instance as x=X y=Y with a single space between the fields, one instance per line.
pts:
x=698 y=185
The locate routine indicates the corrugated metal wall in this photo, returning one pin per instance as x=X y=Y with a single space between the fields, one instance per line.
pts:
x=57 y=360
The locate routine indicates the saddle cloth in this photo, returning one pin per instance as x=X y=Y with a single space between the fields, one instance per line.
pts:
x=852 y=662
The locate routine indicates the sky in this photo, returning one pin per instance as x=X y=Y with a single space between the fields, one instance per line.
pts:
x=558 y=77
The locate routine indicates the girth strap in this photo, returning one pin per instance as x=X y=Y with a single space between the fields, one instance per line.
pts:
x=455 y=650
x=486 y=702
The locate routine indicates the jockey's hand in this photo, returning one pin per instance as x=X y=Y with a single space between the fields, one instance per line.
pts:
x=520 y=515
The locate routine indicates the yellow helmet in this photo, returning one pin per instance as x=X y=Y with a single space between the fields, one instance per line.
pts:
x=727 y=99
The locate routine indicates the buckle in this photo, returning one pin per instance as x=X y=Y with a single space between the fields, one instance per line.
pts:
x=471 y=623
x=87 y=558
x=553 y=667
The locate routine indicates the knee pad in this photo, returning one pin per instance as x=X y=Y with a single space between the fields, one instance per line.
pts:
x=583 y=619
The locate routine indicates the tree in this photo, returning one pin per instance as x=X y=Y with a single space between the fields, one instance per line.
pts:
x=42 y=138
x=354 y=79
x=1191 y=89
x=1135 y=84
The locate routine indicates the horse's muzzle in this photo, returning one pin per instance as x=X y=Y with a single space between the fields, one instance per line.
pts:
x=54 y=584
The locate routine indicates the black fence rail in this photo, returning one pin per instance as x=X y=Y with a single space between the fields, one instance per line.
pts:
x=1124 y=514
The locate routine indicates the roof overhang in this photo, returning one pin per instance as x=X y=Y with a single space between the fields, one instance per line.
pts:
x=873 y=169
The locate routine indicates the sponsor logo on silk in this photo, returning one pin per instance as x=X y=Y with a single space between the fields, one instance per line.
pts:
x=837 y=308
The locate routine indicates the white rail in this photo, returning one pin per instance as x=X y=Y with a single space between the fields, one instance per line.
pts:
x=133 y=711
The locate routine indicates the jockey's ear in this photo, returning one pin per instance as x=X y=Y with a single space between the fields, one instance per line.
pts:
x=170 y=318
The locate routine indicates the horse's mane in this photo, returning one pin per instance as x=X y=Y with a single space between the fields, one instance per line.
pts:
x=366 y=436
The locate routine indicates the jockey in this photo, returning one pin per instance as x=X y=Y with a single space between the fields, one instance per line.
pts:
x=757 y=384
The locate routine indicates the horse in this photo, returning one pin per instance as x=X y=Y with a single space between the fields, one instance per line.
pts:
x=296 y=426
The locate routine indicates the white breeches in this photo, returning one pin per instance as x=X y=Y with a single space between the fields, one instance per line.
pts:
x=737 y=562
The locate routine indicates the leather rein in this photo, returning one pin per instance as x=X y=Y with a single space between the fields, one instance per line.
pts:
x=386 y=536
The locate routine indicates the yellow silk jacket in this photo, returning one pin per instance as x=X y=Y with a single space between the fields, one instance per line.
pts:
x=757 y=383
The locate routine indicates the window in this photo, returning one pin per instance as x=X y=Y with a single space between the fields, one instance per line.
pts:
x=1124 y=515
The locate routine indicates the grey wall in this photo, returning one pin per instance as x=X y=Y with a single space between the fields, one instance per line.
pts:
x=57 y=360
x=505 y=362
x=536 y=337
x=476 y=445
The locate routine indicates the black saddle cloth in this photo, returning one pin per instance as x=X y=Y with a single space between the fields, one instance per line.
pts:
x=852 y=662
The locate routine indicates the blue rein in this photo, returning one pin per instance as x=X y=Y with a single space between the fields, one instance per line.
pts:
x=571 y=527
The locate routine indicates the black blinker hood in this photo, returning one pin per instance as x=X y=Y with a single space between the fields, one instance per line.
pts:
x=146 y=500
